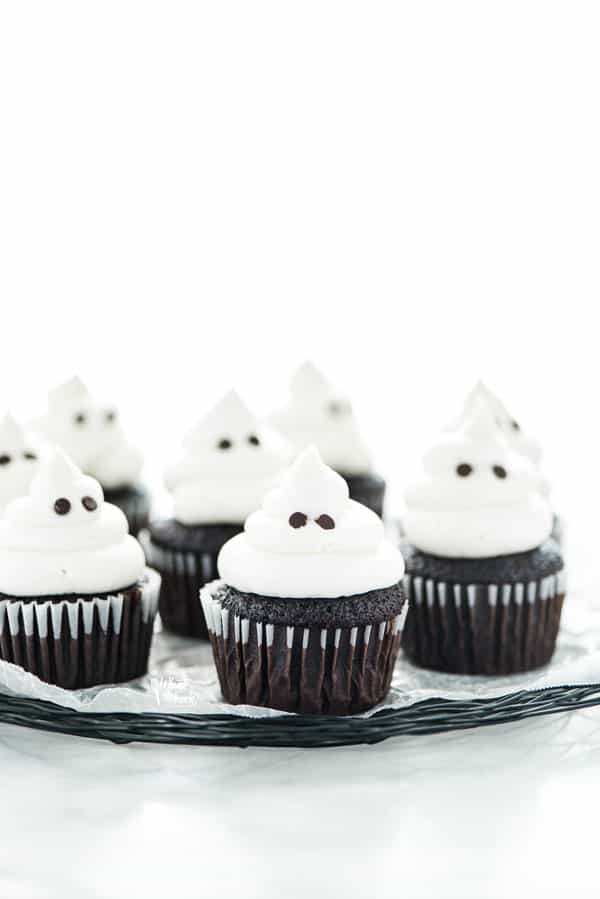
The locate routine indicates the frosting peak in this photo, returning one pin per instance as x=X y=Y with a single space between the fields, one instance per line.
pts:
x=63 y=538
x=18 y=460
x=310 y=540
x=59 y=493
x=71 y=391
x=311 y=485
x=478 y=497
x=308 y=379
x=90 y=432
x=229 y=421
x=517 y=439
x=230 y=461
x=311 y=512
x=319 y=413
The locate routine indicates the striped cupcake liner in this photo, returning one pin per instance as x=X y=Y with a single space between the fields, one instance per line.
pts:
x=367 y=490
x=183 y=575
x=82 y=641
x=313 y=670
x=482 y=628
x=136 y=508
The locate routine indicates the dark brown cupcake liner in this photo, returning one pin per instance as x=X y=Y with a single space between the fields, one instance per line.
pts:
x=482 y=628
x=183 y=574
x=76 y=642
x=313 y=670
x=368 y=489
x=134 y=503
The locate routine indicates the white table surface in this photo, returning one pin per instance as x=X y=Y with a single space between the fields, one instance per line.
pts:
x=504 y=811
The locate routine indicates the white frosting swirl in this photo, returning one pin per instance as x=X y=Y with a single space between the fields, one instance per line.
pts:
x=230 y=461
x=478 y=497
x=63 y=538
x=317 y=413
x=90 y=433
x=518 y=439
x=19 y=460
x=310 y=540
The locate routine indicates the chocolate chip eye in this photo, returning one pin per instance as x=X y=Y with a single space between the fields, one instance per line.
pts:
x=4 y=459
x=253 y=440
x=110 y=416
x=515 y=425
x=464 y=469
x=499 y=471
x=326 y=522
x=79 y=418
x=339 y=407
x=297 y=520
x=62 y=506
x=224 y=444
x=89 y=503
x=31 y=457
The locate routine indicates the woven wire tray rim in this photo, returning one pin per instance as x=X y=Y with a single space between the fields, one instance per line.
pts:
x=427 y=716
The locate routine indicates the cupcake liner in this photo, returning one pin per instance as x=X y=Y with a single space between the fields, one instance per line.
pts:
x=313 y=670
x=482 y=628
x=75 y=642
x=368 y=490
x=183 y=574
x=134 y=502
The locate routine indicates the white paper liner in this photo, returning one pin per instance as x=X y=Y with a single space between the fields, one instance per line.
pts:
x=182 y=678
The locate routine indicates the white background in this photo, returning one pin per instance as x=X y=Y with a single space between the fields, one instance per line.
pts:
x=198 y=195
x=201 y=195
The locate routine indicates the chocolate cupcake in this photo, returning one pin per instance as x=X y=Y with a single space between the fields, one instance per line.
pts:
x=77 y=603
x=516 y=436
x=308 y=614
x=19 y=460
x=229 y=463
x=317 y=413
x=92 y=436
x=484 y=580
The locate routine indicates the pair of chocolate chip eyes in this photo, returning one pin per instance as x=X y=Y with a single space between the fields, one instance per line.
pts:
x=225 y=443
x=5 y=459
x=62 y=506
x=80 y=418
x=299 y=520
x=464 y=470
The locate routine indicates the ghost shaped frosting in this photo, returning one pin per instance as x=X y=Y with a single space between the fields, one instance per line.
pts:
x=62 y=537
x=19 y=459
x=478 y=497
x=90 y=433
x=310 y=540
x=229 y=462
x=517 y=439
x=317 y=413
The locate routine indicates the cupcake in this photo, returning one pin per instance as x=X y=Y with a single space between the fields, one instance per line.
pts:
x=92 y=436
x=517 y=438
x=229 y=462
x=77 y=603
x=19 y=460
x=317 y=413
x=484 y=581
x=308 y=614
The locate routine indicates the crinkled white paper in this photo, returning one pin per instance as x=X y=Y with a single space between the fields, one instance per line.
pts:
x=182 y=677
